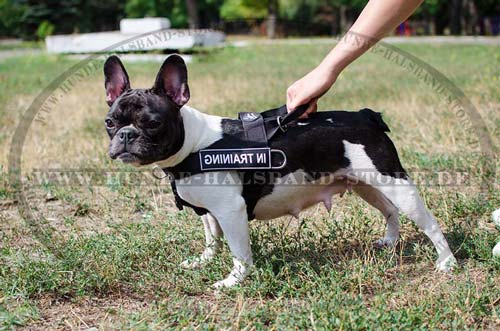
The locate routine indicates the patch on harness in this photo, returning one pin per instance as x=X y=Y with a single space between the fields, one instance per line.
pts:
x=239 y=158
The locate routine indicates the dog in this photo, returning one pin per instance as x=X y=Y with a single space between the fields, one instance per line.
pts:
x=154 y=126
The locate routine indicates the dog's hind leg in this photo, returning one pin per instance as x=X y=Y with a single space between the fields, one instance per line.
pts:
x=404 y=195
x=386 y=207
x=213 y=244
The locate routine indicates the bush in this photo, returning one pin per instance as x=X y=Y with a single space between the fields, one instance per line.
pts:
x=45 y=29
x=11 y=13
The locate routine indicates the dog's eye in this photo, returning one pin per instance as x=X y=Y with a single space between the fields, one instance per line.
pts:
x=153 y=124
x=109 y=123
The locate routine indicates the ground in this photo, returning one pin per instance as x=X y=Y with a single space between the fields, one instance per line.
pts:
x=108 y=255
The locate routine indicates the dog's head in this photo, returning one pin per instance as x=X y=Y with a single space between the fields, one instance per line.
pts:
x=145 y=125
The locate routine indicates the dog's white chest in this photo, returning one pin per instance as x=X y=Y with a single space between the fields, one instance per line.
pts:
x=293 y=193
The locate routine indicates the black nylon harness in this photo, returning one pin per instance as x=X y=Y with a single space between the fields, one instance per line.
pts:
x=246 y=150
x=252 y=145
x=247 y=147
x=259 y=128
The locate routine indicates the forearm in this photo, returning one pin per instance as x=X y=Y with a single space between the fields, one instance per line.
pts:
x=377 y=19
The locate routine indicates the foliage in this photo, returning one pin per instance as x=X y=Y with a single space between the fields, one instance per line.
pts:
x=45 y=29
x=11 y=13
x=488 y=7
x=23 y=18
x=174 y=10
x=431 y=6
x=243 y=9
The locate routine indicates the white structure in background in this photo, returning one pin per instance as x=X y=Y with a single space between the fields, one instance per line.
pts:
x=496 y=219
x=143 y=25
x=130 y=28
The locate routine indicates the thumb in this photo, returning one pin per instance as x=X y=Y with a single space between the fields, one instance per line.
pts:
x=291 y=101
x=294 y=100
x=313 y=107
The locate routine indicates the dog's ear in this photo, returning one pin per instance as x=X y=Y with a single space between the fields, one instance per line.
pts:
x=115 y=79
x=172 y=79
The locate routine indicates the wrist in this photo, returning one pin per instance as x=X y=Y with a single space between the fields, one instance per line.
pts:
x=329 y=69
x=343 y=54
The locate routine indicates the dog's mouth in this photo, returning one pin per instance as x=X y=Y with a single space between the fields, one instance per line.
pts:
x=127 y=157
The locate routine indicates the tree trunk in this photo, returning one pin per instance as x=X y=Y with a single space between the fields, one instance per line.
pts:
x=193 y=19
x=441 y=19
x=473 y=20
x=272 y=10
x=429 y=24
x=456 y=13
x=335 y=21
x=343 y=19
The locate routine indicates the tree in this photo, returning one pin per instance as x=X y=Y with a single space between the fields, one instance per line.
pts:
x=174 y=10
x=192 y=9
x=243 y=9
x=272 y=12
x=11 y=13
x=456 y=17
x=61 y=14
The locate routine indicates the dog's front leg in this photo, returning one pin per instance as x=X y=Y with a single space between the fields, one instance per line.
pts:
x=213 y=234
x=234 y=224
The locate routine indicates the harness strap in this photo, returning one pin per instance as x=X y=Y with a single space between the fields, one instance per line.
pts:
x=293 y=115
x=254 y=128
x=252 y=152
x=280 y=119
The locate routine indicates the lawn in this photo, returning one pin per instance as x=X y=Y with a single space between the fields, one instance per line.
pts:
x=108 y=255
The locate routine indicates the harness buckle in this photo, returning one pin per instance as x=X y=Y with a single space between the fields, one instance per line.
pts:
x=159 y=174
x=283 y=155
x=283 y=127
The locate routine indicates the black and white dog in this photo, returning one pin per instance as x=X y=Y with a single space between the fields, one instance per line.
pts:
x=154 y=126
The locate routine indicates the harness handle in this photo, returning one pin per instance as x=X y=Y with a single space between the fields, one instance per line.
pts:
x=292 y=116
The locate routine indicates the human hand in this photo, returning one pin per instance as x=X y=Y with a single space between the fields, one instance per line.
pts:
x=309 y=89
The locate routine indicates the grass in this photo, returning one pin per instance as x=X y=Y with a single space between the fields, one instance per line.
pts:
x=115 y=248
x=21 y=45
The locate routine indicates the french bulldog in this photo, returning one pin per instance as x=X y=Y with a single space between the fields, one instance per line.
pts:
x=154 y=126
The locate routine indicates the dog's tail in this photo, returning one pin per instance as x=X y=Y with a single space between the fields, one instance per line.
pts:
x=375 y=118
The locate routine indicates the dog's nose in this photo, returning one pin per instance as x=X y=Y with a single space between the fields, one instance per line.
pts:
x=127 y=135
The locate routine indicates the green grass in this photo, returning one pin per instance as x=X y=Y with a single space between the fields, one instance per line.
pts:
x=22 y=45
x=113 y=255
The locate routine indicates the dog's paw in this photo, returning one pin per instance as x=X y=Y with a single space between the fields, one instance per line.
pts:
x=191 y=264
x=447 y=264
x=385 y=242
x=495 y=216
x=226 y=283
x=496 y=250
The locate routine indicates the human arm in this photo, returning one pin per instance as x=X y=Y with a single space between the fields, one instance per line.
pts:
x=377 y=19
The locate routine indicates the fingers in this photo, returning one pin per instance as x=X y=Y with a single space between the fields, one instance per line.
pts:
x=292 y=100
x=296 y=97
x=313 y=107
